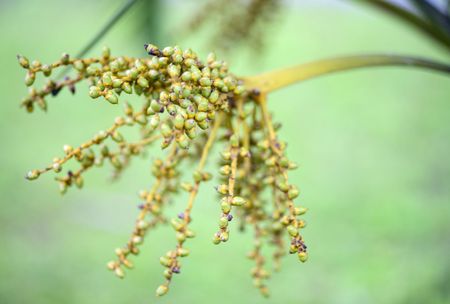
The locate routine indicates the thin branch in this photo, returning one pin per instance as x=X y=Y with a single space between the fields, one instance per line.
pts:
x=434 y=16
x=270 y=81
x=102 y=32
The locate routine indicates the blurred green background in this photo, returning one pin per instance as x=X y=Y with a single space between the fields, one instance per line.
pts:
x=373 y=146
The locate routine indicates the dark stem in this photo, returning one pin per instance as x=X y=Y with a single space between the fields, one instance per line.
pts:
x=412 y=19
x=102 y=32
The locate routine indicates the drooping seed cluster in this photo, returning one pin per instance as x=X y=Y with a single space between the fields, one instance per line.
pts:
x=239 y=21
x=190 y=106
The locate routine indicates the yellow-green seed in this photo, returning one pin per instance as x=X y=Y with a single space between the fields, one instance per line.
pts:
x=33 y=174
x=162 y=290
x=302 y=256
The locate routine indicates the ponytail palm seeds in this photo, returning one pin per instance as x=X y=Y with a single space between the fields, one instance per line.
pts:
x=187 y=106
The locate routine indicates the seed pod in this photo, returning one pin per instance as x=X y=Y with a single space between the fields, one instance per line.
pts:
x=238 y=201
x=293 y=193
x=173 y=70
x=178 y=122
x=31 y=175
x=107 y=80
x=126 y=87
x=224 y=236
x=65 y=58
x=106 y=52
x=226 y=155
x=46 y=70
x=165 y=261
x=186 y=76
x=168 y=274
x=23 y=61
x=292 y=230
x=142 y=224
x=216 y=239
x=225 y=170
x=200 y=116
x=187 y=187
x=205 y=82
x=302 y=256
x=183 y=252
x=117 y=137
x=119 y=272
x=183 y=142
x=300 y=210
x=166 y=143
x=181 y=237
x=197 y=175
x=143 y=82
x=222 y=189
x=177 y=224
x=189 y=233
x=154 y=121
x=282 y=185
x=234 y=141
x=166 y=131
x=192 y=133
x=214 y=97
x=137 y=239
x=223 y=222
x=94 y=92
x=301 y=224
x=225 y=206
x=29 y=78
x=67 y=149
x=111 y=97
x=204 y=124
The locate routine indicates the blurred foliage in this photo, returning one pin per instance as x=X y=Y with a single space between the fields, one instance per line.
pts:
x=373 y=148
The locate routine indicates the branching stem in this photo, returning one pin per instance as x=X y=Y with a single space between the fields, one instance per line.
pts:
x=270 y=81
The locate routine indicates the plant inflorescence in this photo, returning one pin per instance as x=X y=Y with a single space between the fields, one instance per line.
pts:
x=238 y=21
x=188 y=106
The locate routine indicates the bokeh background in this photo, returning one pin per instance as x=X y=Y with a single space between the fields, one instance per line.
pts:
x=373 y=146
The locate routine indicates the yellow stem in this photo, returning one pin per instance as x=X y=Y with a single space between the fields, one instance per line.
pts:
x=270 y=81
x=201 y=164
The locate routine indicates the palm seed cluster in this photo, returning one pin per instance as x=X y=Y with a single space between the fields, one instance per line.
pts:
x=188 y=106
x=239 y=21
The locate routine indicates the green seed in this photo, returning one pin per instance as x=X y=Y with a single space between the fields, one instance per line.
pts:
x=292 y=230
x=178 y=122
x=126 y=87
x=94 y=92
x=23 y=61
x=226 y=207
x=300 y=210
x=143 y=82
x=205 y=82
x=117 y=137
x=222 y=189
x=223 y=222
x=303 y=256
x=111 y=97
x=186 y=76
x=200 y=116
x=192 y=133
x=238 y=201
x=166 y=131
x=183 y=252
x=225 y=170
x=155 y=106
x=293 y=193
x=29 y=78
x=214 y=96
x=34 y=174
